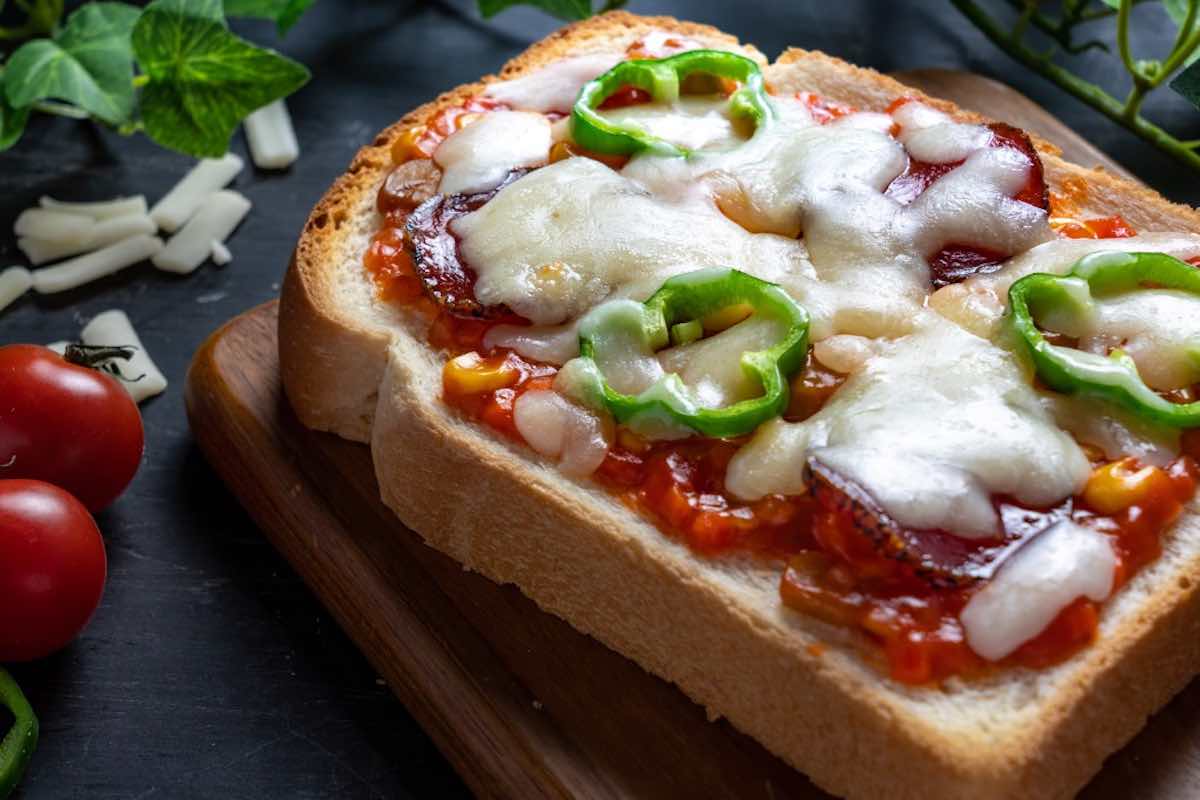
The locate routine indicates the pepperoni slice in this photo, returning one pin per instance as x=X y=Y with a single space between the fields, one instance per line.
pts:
x=436 y=257
x=958 y=261
x=938 y=557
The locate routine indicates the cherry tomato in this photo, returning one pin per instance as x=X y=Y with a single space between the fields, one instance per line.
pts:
x=67 y=424
x=52 y=569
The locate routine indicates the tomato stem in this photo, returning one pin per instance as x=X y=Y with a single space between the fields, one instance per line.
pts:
x=101 y=358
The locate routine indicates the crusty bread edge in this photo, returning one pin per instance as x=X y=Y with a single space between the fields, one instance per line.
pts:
x=850 y=742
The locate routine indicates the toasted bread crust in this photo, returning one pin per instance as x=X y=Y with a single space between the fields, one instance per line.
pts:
x=716 y=627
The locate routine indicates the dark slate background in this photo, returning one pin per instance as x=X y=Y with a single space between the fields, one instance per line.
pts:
x=209 y=670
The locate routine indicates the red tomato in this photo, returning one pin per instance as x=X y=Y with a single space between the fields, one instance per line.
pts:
x=66 y=424
x=52 y=569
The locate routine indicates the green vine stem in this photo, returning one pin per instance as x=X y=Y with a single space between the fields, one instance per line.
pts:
x=1145 y=77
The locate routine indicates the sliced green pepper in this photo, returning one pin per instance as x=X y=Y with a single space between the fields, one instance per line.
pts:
x=669 y=315
x=661 y=78
x=16 y=748
x=1114 y=377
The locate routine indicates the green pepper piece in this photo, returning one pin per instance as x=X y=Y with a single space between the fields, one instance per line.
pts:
x=1114 y=377
x=683 y=299
x=16 y=748
x=662 y=78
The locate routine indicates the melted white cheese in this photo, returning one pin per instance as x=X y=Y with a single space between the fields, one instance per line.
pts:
x=827 y=182
x=935 y=138
x=558 y=428
x=1058 y=566
x=565 y=237
x=553 y=87
x=932 y=427
x=1158 y=328
x=692 y=121
x=978 y=303
x=479 y=156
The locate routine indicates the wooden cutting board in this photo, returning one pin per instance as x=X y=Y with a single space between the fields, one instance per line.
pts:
x=522 y=704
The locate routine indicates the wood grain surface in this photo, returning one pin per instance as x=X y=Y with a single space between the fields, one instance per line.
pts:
x=521 y=703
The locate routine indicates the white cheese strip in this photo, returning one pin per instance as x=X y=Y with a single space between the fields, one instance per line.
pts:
x=553 y=87
x=933 y=427
x=479 y=156
x=271 y=137
x=1058 y=566
x=103 y=209
x=220 y=253
x=84 y=269
x=140 y=377
x=56 y=226
x=187 y=196
x=104 y=232
x=14 y=282
x=59 y=347
x=214 y=221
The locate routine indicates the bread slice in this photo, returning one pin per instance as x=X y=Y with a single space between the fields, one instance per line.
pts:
x=716 y=627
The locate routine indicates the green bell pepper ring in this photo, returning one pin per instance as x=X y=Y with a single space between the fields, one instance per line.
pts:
x=16 y=748
x=669 y=315
x=661 y=78
x=1114 y=377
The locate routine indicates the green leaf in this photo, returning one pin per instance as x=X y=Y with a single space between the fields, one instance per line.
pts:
x=1113 y=4
x=1176 y=9
x=12 y=120
x=1187 y=84
x=284 y=13
x=202 y=80
x=89 y=64
x=563 y=9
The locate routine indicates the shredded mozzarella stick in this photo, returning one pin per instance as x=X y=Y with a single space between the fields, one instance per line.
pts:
x=41 y=223
x=140 y=377
x=14 y=282
x=81 y=270
x=214 y=221
x=220 y=254
x=104 y=209
x=106 y=231
x=271 y=137
x=190 y=193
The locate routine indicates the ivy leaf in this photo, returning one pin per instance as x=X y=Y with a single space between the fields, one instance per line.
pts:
x=284 y=13
x=12 y=120
x=202 y=80
x=88 y=63
x=563 y=9
x=1187 y=84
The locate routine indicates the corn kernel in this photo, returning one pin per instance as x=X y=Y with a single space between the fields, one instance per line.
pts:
x=1116 y=486
x=408 y=146
x=470 y=373
x=726 y=317
x=631 y=441
x=463 y=120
